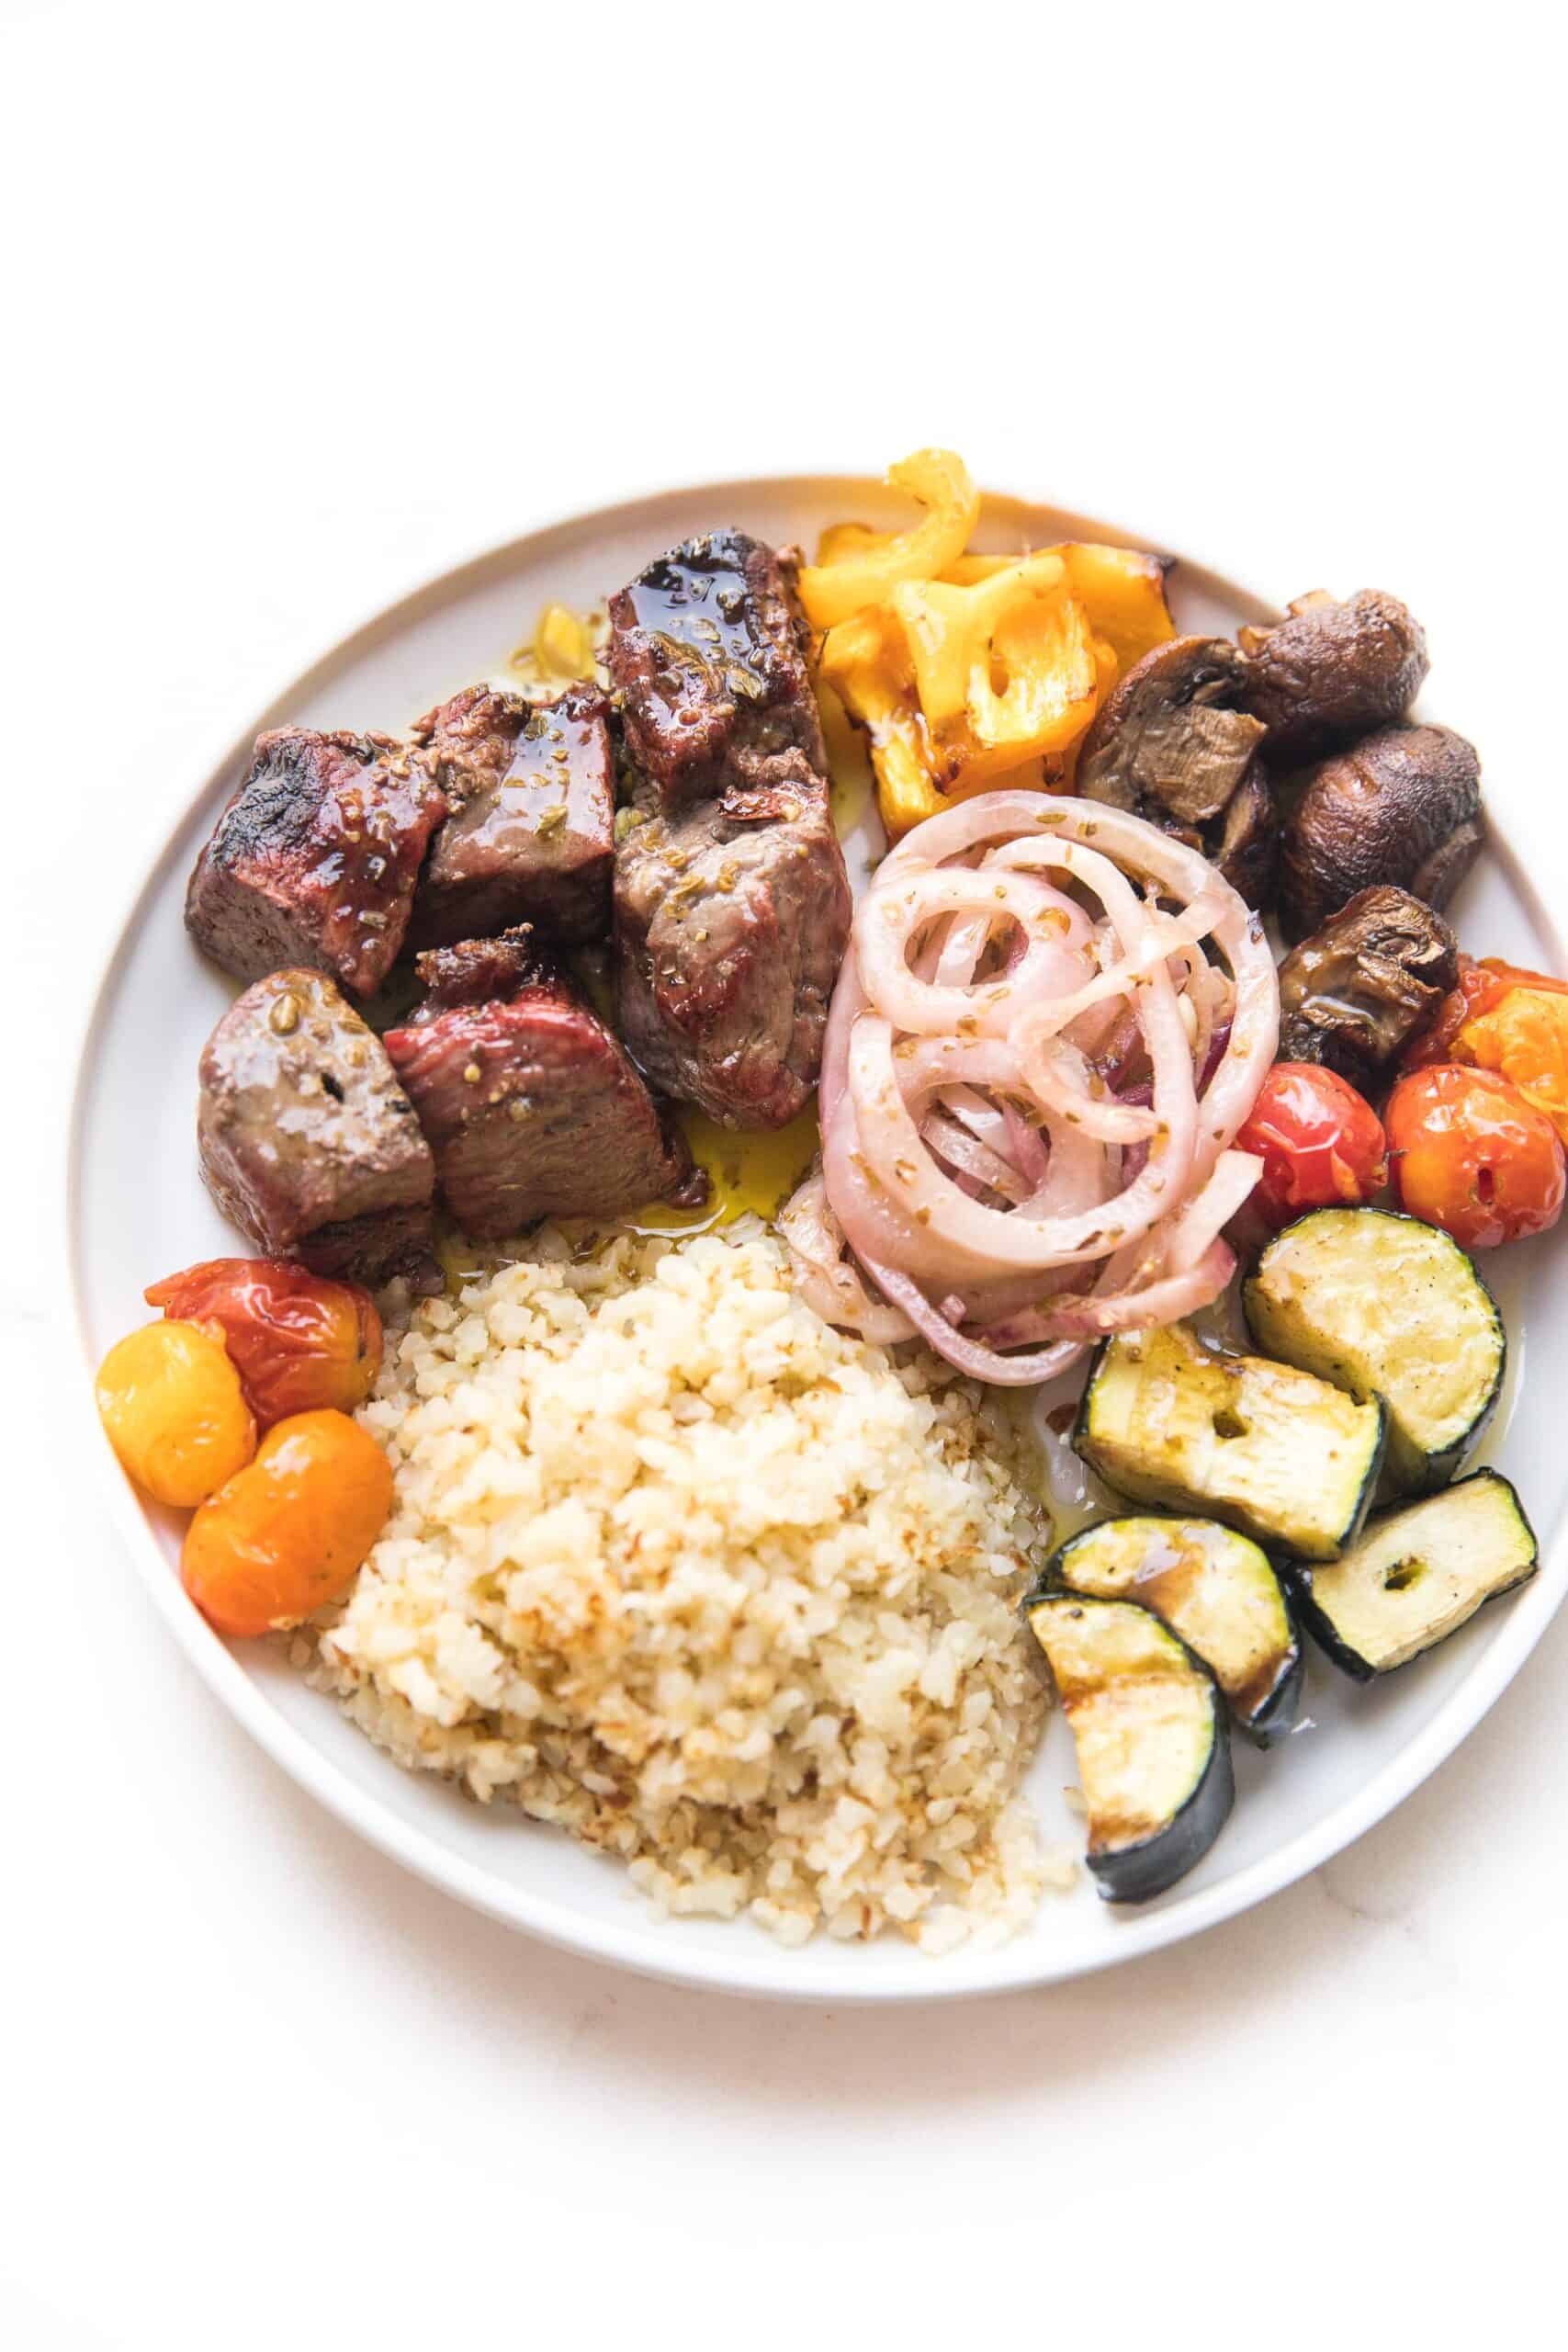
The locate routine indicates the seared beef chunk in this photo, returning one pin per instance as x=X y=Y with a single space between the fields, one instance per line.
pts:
x=1331 y=671
x=307 y=1143
x=1402 y=806
x=314 y=860
x=708 y=653
x=732 y=908
x=530 y=838
x=1355 y=994
x=531 y=1106
x=730 y=939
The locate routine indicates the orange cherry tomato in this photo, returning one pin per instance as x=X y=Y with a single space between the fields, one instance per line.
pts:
x=1321 y=1143
x=174 y=1411
x=1470 y=1155
x=285 y=1535
x=300 y=1342
x=1481 y=987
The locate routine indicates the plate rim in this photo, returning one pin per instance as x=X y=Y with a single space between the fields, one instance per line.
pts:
x=643 y=1945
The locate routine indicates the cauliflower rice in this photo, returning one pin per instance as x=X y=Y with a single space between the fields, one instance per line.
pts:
x=725 y=1593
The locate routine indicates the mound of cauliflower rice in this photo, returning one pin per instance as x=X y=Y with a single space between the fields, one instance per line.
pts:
x=721 y=1591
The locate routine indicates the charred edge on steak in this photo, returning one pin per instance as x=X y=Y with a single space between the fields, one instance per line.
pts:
x=731 y=903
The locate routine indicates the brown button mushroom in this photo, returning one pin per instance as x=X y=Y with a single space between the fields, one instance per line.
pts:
x=1354 y=995
x=1172 y=745
x=1331 y=671
x=1403 y=807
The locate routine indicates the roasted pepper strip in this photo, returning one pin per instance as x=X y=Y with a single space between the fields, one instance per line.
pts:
x=1523 y=1036
x=868 y=573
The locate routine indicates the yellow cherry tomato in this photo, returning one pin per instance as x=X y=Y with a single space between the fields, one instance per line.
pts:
x=176 y=1413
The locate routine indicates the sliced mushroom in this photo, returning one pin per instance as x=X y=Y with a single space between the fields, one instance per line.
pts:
x=1355 y=994
x=1332 y=672
x=1172 y=745
x=1403 y=807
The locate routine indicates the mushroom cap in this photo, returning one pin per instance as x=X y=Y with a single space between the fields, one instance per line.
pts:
x=1331 y=671
x=1170 y=736
x=1402 y=806
x=1354 y=995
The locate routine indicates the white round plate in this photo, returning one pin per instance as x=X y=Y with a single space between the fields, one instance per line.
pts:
x=136 y=1210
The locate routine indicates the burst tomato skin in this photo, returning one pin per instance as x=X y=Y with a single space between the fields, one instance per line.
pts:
x=301 y=1343
x=174 y=1412
x=1470 y=1155
x=1321 y=1143
x=285 y=1535
x=1481 y=988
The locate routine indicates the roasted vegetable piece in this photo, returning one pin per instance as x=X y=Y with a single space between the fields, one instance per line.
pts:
x=1287 y=1459
x=1149 y=1727
x=1477 y=988
x=1210 y=1586
x=1171 y=744
x=1355 y=993
x=1319 y=1143
x=1386 y=1307
x=298 y=1341
x=1022 y=626
x=172 y=1405
x=1467 y=1152
x=1418 y=1575
x=284 y=1536
x=865 y=574
x=1403 y=807
x=1520 y=1032
x=1331 y=671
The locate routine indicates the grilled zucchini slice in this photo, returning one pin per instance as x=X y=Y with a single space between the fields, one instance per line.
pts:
x=1149 y=1726
x=1419 y=1574
x=1384 y=1306
x=1290 y=1460
x=1212 y=1587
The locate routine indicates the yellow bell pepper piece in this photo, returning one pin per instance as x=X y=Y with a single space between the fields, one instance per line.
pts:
x=1121 y=590
x=842 y=540
x=834 y=591
x=1004 y=670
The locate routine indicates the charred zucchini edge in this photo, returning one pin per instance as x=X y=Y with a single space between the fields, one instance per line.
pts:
x=1272 y=1713
x=1136 y=1873
x=1413 y=1468
x=1321 y=1623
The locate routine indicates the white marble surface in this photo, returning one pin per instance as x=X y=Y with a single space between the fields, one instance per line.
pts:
x=268 y=365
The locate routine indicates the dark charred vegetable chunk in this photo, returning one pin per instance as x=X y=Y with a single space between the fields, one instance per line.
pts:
x=1173 y=745
x=1331 y=671
x=1355 y=993
x=1403 y=807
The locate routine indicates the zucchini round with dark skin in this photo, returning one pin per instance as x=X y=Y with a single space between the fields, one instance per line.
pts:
x=1290 y=1460
x=1384 y=1306
x=1214 y=1588
x=1148 y=1724
x=1418 y=1575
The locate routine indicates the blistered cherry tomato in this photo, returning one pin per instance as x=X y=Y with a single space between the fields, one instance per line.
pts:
x=176 y=1413
x=301 y=1343
x=1321 y=1143
x=286 y=1535
x=1482 y=986
x=1470 y=1154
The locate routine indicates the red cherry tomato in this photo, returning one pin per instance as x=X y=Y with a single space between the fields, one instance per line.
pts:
x=1470 y=1154
x=1321 y=1143
x=302 y=1344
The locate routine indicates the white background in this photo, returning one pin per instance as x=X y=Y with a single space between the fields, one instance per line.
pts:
x=302 y=302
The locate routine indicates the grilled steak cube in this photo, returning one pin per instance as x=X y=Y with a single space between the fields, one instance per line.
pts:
x=531 y=1106
x=732 y=908
x=707 y=649
x=531 y=788
x=314 y=860
x=728 y=942
x=307 y=1141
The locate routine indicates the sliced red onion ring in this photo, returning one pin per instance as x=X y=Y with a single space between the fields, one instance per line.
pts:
x=990 y=1182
